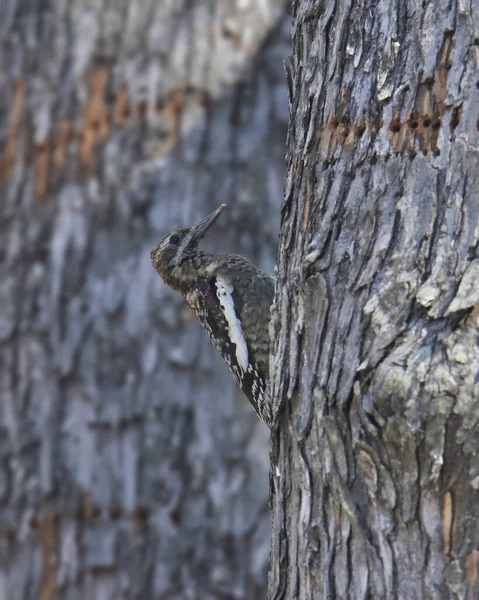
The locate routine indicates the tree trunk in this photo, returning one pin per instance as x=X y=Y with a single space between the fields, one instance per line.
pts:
x=131 y=466
x=375 y=370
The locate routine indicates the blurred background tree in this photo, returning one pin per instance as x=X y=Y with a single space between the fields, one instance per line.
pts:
x=131 y=465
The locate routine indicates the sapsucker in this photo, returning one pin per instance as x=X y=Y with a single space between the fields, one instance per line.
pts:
x=231 y=297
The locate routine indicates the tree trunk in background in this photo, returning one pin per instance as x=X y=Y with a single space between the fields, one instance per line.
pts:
x=376 y=325
x=131 y=465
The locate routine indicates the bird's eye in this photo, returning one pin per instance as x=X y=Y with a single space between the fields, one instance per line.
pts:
x=175 y=239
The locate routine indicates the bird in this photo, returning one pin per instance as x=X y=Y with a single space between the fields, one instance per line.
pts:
x=231 y=297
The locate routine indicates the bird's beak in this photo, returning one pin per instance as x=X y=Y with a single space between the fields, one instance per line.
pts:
x=199 y=230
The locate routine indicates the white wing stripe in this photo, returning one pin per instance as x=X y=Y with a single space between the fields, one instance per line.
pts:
x=235 y=331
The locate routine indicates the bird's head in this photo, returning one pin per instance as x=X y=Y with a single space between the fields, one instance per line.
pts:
x=180 y=244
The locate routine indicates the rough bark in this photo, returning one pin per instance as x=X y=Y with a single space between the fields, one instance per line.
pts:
x=376 y=344
x=131 y=466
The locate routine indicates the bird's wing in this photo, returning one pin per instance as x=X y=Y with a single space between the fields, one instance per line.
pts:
x=245 y=295
x=238 y=326
x=228 y=301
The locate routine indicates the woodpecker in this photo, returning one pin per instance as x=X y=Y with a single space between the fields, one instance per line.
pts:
x=231 y=297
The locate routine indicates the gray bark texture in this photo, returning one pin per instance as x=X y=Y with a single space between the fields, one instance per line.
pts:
x=131 y=467
x=375 y=366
